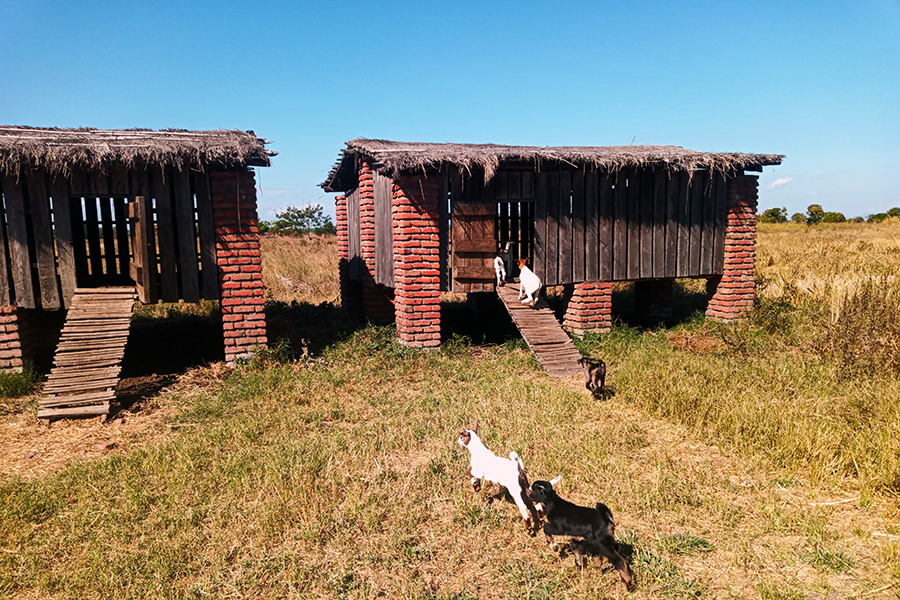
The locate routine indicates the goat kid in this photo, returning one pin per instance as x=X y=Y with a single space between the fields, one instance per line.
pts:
x=529 y=284
x=593 y=525
x=508 y=472
x=594 y=375
x=499 y=269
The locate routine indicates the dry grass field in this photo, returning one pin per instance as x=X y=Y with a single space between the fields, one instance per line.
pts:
x=753 y=461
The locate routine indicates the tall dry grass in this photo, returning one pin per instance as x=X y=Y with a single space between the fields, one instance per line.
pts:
x=298 y=269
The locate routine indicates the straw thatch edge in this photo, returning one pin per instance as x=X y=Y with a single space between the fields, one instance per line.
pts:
x=396 y=158
x=60 y=151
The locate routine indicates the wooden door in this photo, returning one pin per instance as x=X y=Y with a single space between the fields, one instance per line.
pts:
x=139 y=267
x=473 y=235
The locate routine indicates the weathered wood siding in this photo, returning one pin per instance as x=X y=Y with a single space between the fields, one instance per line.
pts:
x=384 y=238
x=354 y=244
x=635 y=225
x=59 y=234
x=511 y=198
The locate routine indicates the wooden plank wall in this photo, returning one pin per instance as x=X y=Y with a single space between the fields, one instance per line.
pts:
x=384 y=236
x=58 y=234
x=513 y=194
x=628 y=226
x=354 y=245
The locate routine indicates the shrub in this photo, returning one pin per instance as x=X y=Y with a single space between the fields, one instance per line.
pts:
x=774 y=215
x=798 y=218
x=15 y=385
x=833 y=217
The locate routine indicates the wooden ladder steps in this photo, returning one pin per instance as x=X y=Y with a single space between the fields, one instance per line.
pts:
x=550 y=344
x=89 y=355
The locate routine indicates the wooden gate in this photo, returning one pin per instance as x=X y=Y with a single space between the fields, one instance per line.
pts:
x=474 y=240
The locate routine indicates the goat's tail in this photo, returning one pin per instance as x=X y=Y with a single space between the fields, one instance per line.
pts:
x=606 y=513
x=515 y=458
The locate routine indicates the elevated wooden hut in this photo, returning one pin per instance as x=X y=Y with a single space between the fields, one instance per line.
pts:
x=171 y=214
x=416 y=219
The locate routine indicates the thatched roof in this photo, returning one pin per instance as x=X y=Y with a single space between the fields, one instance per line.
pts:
x=60 y=151
x=395 y=158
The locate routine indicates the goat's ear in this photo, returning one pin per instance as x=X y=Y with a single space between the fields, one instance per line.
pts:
x=475 y=426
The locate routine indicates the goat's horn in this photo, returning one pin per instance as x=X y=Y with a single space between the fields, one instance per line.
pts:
x=555 y=480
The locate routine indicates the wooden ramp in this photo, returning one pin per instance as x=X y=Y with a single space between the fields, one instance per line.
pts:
x=88 y=358
x=551 y=345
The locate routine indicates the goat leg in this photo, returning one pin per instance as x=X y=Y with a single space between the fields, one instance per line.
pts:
x=619 y=563
x=577 y=551
x=476 y=483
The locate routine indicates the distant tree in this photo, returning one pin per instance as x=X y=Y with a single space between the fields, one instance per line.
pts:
x=798 y=218
x=300 y=220
x=265 y=226
x=894 y=212
x=327 y=229
x=773 y=215
x=814 y=214
x=877 y=218
x=833 y=217
x=857 y=220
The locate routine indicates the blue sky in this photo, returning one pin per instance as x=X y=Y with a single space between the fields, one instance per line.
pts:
x=816 y=81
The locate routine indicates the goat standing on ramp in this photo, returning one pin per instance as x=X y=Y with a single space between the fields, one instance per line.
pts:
x=593 y=525
x=508 y=472
x=529 y=285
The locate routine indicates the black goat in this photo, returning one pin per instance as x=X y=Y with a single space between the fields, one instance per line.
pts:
x=594 y=375
x=593 y=525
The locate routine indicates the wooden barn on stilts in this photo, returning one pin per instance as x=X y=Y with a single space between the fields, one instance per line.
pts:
x=416 y=219
x=91 y=220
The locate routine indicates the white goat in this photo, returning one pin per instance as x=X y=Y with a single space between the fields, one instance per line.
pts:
x=499 y=264
x=499 y=270
x=529 y=284
x=508 y=472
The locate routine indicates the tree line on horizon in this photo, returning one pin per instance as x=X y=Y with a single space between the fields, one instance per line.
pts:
x=815 y=214
x=302 y=220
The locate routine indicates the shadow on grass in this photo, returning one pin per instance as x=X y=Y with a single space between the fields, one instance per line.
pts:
x=482 y=320
x=685 y=306
x=179 y=341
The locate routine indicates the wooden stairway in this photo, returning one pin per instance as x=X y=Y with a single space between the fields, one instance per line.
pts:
x=89 y=355
x=551 y=345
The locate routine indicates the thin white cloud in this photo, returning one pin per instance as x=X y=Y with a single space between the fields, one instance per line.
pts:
x=780 y=182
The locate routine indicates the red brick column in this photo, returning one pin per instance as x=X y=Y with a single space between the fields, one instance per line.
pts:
x=240 y=265
x=377 y=300
x=589 y=308
x=731 y=296
x=417 y=301
x=10 y=344
x=351 y=292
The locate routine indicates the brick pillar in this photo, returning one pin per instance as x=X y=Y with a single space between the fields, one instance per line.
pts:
x=10 y=344
x=351 y=291
x=653 y=298
x=731 y=295
x=589 y=309
x=377 y=299
x=417 y=301
x=240 y=265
